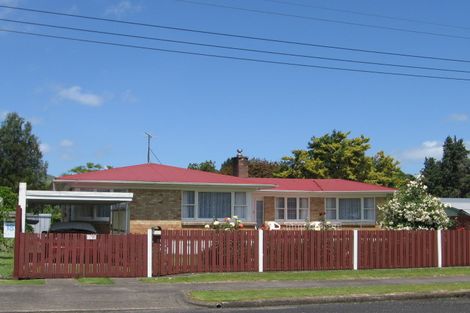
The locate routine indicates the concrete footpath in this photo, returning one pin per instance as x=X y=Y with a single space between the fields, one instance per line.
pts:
x=67 y=295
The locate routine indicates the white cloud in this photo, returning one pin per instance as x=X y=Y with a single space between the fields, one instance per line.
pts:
x=76 y=94
x=3 y=115
x=66 y=143
x=35 y=120
x=122 y=8
x=458 y=117
x=427 y=149
x=45 y=148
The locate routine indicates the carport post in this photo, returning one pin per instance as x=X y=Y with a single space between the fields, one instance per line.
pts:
x=149 y=253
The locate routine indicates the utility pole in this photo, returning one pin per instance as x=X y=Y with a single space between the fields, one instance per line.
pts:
x=148 y=146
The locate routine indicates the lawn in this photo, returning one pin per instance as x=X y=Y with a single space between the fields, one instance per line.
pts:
x=95 y=281
x=6 y=264
x=293 y=293
x=317 y=275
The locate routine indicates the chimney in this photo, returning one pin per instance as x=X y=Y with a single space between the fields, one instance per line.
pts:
x=240 y=165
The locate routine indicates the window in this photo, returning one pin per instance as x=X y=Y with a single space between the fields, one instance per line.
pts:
x=103 y=211
x=330 y=208
x=303 y=208
x=291 y=208
x=188 y=204
x=240 y=206
x=369 y=209
x=350 y=209
x=280 y=208
x=209 y=205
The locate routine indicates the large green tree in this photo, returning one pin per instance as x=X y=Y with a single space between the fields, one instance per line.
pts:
x=449 y=177
x=88 y=167
x=206 y=166
x=336 y=155
x=260 y=168
x=20 y=156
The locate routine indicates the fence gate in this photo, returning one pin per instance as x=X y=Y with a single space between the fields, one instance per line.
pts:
x=80 y=255
x=196 y=251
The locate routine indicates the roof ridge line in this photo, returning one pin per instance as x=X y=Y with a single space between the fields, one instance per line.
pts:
x=315 y=181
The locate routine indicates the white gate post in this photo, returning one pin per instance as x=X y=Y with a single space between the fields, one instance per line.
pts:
x=149 y=253
x=439 y=248
x=22 y=204
x=260 y=251
x=355 y=249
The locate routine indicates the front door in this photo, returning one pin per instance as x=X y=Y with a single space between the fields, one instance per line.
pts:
x=259 y=212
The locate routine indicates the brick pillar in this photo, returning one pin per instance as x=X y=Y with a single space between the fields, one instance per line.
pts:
x=269 y=212
x=317 y=206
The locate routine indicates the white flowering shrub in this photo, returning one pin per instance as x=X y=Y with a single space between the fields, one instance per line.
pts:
x=412 y=207
x=229 y=223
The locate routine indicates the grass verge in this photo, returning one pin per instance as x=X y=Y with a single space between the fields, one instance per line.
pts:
x=297 y=293
x=317 y=275
x=9 y=282
x=95 y=281
x=6 y=264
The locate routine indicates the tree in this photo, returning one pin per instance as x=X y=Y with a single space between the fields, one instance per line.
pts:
x=206 y=166
x=449 y=177
x=20 y=156
x=336 y=155
x=88 y=167
x=386 y=171
x=8 y=201
x=260 y=168
x=412 y=207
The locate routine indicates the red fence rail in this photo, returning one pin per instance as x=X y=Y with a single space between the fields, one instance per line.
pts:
x=72 y=255
x=195 y=251
x=307 y=250
x=455 y=247
x=397 y=249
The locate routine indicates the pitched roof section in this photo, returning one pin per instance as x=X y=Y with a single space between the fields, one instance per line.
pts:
x=170 y=174
x=158 y=173
x=325 y=185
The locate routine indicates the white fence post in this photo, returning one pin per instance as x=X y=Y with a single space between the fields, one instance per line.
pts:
x=355 y=249
x=149 y=253
x=260 y=251
x=439 y=248
x=22 y=204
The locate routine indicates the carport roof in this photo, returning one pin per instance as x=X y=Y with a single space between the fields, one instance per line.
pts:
x=77 y=197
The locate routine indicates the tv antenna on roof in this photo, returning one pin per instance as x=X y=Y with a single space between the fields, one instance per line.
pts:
x=148 y=146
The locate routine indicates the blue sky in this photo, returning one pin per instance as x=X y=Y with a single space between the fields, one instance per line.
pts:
x=94 y=103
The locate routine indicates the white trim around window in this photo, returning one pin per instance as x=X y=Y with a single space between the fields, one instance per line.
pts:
x=218 y=204
x=291 y=209
x=350 y=209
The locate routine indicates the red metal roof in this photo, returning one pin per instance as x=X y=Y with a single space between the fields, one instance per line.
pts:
x=171 y=174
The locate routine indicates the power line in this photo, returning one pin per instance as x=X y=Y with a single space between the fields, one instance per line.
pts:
x=273 y=40
x=404 y=19
x=327 y=20
x=236 y=48
x=234 y=57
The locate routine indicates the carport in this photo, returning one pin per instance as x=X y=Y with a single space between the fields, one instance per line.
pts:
x=118 y=217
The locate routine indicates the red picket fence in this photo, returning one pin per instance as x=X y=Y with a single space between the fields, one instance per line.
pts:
x=307 y=250
x=455 y=247
x=397 y=249
x=196 y=251
x=72 y=255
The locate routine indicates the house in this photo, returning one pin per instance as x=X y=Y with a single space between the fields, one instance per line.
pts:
x=174 y=198
x=458 y=211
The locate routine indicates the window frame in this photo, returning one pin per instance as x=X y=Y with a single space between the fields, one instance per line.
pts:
x=196 y=217
x=337 y=219
x=285 y=209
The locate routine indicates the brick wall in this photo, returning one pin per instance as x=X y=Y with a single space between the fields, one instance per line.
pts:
x=269 y=212
x=317 y=208
x=151 y=204
x=141 y=226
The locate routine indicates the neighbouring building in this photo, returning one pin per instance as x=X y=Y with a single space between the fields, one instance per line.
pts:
x=173 y=198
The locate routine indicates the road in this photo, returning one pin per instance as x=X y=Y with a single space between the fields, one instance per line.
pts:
x=452 y=305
